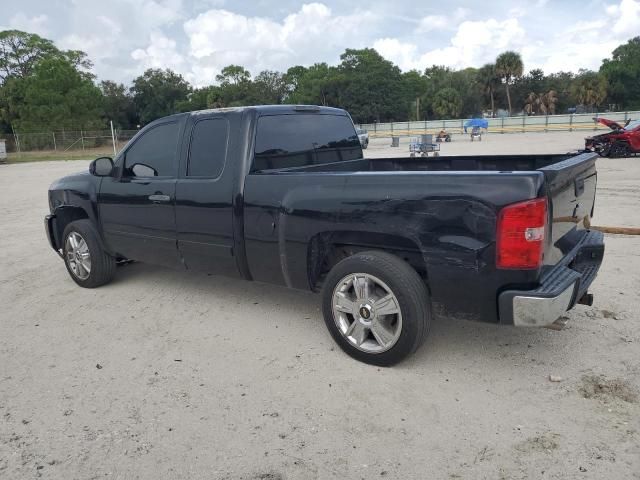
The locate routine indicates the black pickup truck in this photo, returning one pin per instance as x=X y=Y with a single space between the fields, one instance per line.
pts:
x=283 y=195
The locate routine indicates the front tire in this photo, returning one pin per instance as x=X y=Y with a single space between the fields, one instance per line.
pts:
x=86 y=261
x=376 y=307
x=619 y=149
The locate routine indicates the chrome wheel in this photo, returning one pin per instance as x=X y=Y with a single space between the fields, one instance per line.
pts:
x=367 y=313
x=78 y=256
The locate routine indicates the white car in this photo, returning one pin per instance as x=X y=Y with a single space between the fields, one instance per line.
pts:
x=363 y=136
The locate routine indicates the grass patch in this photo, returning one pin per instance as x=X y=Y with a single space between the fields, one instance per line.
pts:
x=52 y=155
x=597 y=386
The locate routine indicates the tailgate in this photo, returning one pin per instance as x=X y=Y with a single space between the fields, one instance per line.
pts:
x=571 y=189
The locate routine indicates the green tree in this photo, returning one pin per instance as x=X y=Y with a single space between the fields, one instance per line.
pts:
x=622 y=72
x=541 y=103
x=509 y=67
x=269 y=88
x=560 y=83
x=489 y=81
x=535 y=81
x=117 y=104
x=436 y=78
x=370 y=87
x=447 y=103
x=233 y=75
x=236 y=88
x=198 y=99
x=292 y=79
x=156 y=93
x=414 y=85
x=589 y=88
x=465 y=82
x=20 y=51
x=57 y=96
x=316 y=85
x=11 y=98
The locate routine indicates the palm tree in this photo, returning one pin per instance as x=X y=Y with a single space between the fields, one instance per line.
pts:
x=589 y=88
x=549 y=101
x=509 y=67
x=488 y=80
x=544 y=103
x=531 y=103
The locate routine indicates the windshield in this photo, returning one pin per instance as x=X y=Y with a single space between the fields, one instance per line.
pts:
x=632 y=125
x=359 y=131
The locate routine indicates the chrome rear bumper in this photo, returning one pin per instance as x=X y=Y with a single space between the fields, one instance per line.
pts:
x=560 y=289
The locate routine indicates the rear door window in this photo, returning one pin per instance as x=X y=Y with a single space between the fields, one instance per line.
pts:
x=208 y=149
x=296 y=140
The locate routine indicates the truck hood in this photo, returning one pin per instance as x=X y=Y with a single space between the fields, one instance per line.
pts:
x=71 y=180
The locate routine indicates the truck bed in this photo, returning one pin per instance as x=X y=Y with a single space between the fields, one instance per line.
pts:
x=467 y=163
x=446 y=208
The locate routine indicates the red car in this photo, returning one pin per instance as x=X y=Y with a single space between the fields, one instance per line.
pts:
x=622 y=141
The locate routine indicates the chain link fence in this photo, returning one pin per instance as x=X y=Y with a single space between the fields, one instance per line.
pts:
x=89 y=143
x=521 y=124
x=93 y=143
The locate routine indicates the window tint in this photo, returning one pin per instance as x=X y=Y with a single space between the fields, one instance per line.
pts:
x=208 y=148
x=154 y=153
x=304 y=139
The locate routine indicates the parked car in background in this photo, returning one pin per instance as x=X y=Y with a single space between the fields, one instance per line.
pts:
x=363 y=136
x=282 y=194
x=622 y=141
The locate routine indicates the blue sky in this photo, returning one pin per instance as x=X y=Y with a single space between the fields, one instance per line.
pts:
x=198 y=37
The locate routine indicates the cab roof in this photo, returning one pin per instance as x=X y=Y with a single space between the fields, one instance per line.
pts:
x=276 y=109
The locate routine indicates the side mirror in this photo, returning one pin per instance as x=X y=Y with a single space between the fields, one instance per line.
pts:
x=101 y=167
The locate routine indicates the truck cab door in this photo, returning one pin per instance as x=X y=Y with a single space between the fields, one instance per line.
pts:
x=137 y=205
x=204 y=193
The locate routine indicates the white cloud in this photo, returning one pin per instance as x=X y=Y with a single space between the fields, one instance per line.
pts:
x=587 y=43
x=402 y=54
x=442 y=22
x=627 y=17
x=433 y=22
x=198 y=38
x=161 y=53
x=474 y=43
x=312 y=34
x=109 y=35
x=581 y=45
x=37 y=24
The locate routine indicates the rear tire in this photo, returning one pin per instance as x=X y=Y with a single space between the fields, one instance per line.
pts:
x=86 y=261
x=381 y=316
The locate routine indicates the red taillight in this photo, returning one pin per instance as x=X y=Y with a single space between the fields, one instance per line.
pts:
x=520 y=235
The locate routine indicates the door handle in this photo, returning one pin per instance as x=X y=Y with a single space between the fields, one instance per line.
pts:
x=159 y=198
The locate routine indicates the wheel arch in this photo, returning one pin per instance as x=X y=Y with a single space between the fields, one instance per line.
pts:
x=65 y=214
x=327 y=248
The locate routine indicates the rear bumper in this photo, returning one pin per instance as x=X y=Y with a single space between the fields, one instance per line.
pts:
x=559 y=289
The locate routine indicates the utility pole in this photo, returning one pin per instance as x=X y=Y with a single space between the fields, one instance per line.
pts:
x=15 y=138
x=417 y=108
x=113 y=139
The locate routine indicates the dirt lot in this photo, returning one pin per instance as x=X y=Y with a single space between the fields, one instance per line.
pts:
x=165 y=374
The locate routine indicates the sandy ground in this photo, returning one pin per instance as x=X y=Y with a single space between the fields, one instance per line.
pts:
x=165 y=374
